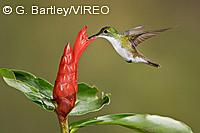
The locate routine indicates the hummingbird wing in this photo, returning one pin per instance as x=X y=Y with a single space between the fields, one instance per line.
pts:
x=138 y=35
x=135 y=31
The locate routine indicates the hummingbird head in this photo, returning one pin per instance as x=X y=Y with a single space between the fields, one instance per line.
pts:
x=106 y=31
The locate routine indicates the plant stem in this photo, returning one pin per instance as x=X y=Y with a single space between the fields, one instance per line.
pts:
x=64 y=128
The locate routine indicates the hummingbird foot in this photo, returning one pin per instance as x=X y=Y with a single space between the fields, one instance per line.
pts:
x=129 y=61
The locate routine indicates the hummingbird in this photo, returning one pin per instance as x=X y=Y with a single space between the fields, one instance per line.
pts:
x=126 y=43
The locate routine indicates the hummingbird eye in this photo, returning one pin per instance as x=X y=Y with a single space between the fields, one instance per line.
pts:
x=105 y=31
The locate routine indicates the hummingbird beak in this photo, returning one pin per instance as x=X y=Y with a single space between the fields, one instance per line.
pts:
x=95 y=35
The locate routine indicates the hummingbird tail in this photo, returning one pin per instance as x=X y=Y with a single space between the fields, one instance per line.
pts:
x=153 y=64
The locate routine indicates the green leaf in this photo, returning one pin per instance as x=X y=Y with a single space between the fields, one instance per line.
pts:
x=88 y=100
x=36 y=89
x=40 y=92
x=143 y=123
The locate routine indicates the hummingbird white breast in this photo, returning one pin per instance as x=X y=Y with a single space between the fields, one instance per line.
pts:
x=118 y=47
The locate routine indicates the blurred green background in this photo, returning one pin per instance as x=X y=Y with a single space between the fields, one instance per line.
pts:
x=35 y=44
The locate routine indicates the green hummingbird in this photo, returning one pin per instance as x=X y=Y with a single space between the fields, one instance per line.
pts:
x=126 y=43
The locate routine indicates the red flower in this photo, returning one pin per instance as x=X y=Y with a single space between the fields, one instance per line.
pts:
x=66 y=88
